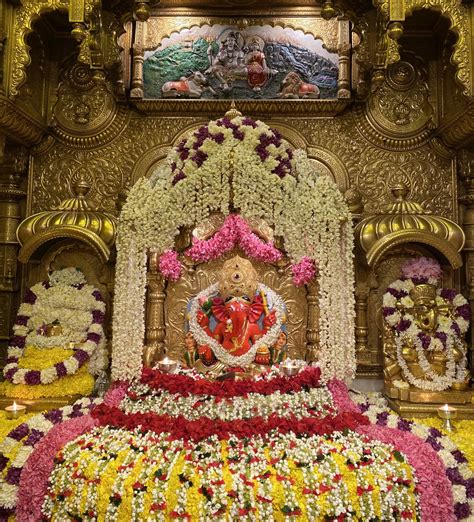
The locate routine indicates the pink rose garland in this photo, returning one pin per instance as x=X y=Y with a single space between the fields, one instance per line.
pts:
x=170 y=265
x=235 y=231
x=34 y=477
x=436 y=498
x=303 y=271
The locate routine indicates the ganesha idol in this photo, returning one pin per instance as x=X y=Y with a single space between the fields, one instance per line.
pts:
x=236 y=324
x=424 y=348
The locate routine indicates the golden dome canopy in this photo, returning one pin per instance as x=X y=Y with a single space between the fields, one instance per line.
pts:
x=74 y=218
x=407 y=222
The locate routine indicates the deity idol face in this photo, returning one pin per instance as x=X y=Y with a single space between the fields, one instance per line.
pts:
x=425 y=309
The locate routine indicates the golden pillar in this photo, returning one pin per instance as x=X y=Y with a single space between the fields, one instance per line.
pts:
x=11 y=195
x=312 y=332
x=155 y=310
x=466 y=165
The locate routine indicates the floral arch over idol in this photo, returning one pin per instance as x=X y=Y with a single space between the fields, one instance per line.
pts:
x=244 y=170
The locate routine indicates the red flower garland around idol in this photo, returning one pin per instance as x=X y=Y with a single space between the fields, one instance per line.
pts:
x=186 y=386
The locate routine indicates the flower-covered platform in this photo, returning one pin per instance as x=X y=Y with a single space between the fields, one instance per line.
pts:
x=267 y=448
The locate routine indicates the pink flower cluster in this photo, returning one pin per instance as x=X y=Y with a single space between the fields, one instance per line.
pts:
x=234 y=231
x=303 y=271
x=422 y=270
x=170 y=265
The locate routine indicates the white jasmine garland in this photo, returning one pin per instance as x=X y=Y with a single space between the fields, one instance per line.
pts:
x=454 y=372
x=66 y=299
x=315 y=402
x=202 y=338
x=307 y=210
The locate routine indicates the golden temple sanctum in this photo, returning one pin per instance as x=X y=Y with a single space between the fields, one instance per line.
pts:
x=230 y=228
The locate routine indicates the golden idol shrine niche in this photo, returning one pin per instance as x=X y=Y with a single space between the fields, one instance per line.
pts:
x=424 y=350
x=231 y=301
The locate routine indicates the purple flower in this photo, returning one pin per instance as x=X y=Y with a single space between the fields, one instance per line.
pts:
x=425 y=340
x=448 y=293
x=238 y=134
x=11 y=360
x=18 y=341
x=388 y=310
x=97 y=295
x=249 y=122
x=404 y=425
x=76 y=413
x=469 y=483
x=33 y=377
x=61 y=370
x=54 y=416
x=13 y=476
x=262 y=152
x=10 y=373
x=79 y=286
x=462 y=510
x=19 y=432
x=419 y=280
x=382 y=418
x=34 y=437
x=21 y=320
x=454 y=476
x=403 y=325
x=181 y=145
x=95 y=338
x=98 y=316
x=464 y=311
x=434 y=432
x=456 y=329
x=434 y=444
x=5 y=513
x=3 y=462
x=442 y=337
x=30 y=297
x=46 y=284
x=181 y=175
x=290 y=153
x=199 y=157
x=364 y=407
x=218 y=138
x=173 y=166
x=81 y=356
x=459 y=456
x=398 y=294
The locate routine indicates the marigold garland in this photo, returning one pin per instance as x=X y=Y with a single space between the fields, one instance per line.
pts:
x=125 y=475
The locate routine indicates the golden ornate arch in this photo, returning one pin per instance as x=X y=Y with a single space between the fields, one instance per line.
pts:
x=30 y=11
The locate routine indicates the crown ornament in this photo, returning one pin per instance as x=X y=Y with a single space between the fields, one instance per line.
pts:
x=423 y=292
x=238 y=278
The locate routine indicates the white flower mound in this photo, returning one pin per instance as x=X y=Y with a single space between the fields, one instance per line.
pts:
x=307 y=210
